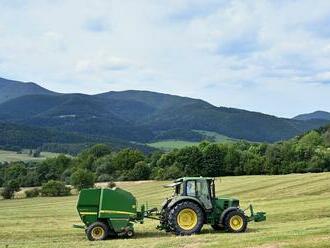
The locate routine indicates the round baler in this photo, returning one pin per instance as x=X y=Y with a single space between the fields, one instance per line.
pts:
x=108 y=212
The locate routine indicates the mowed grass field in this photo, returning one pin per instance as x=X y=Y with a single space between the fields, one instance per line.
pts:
x=10 y=156
x=297 y=206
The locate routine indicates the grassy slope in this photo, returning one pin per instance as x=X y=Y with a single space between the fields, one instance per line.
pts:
x=219 y=138
x=172 y=144
x=11 y=156
x=297 y=207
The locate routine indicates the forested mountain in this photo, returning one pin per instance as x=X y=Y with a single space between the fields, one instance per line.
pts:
x=10 y=89
x=143 y=116
x=317 y=115
x=17 y=137
x=12 y=135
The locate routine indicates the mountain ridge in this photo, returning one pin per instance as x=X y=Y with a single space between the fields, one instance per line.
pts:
x=320 y=115
x=141 y=116
x=10 y=89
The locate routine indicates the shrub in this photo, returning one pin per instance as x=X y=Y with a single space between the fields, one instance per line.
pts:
x=112 y=185
x=172 y=172
x=32 y=193
x=141 y=171
x=127 y=158
x=10 y=188
x=82 y=179
x=104 y=178
x=55 y=188
x=99 y=150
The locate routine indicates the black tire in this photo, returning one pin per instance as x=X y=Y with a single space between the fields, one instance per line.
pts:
x=164 y=220
x=236 y=217
x=192 y=209
x=129 y=234
x=97 y=231
x=217 y=227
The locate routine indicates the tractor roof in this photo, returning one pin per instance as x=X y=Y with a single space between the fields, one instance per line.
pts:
x=181 y=179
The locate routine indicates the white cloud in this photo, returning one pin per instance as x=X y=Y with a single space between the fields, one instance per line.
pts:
x=259 y=55
x=103 y=63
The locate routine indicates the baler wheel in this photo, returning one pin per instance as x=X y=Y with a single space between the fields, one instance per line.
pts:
x=236 y=222
x=186 y=218
x=97 y=231
x=129 y=234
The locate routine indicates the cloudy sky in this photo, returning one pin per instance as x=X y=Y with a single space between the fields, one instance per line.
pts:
x=267 y=56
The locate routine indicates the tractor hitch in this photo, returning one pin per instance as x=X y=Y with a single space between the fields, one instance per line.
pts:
x=152 y=214
x=256 y=217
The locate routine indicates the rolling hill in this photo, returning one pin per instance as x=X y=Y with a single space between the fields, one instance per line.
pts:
x=17 y=136
x=144 y=117
x=317 y=115
x=10 y=89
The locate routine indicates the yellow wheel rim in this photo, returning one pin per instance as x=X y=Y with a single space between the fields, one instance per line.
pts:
x=187 y=219
x=97 y=232
x=236 y=222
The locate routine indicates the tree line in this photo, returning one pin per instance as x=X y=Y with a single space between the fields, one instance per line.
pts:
x=307 y=153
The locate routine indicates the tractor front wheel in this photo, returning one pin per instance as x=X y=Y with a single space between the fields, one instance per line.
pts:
x=97 y=231
x=236 y=222
x=186 y=218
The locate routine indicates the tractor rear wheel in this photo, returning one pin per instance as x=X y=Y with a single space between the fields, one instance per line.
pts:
x=186 y=218
x=236 y=222
x=97 y=231
x=164 y=220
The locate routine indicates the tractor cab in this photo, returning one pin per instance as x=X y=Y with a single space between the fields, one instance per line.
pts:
x=201 y=188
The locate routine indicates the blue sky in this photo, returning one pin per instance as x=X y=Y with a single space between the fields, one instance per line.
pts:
x=267 y=56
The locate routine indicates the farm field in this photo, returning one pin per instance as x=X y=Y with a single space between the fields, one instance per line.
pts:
x=11 y=156
x=297 y=206
x=218 y=138
x=172 y=144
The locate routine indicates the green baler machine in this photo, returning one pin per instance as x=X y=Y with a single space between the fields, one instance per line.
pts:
x=113 y=211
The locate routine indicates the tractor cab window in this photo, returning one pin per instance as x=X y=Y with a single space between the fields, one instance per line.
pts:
x=191 y=189
x=202 y=189
x=203 y=193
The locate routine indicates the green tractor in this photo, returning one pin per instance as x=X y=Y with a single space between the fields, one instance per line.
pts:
x=194 y=204
x=113 y=211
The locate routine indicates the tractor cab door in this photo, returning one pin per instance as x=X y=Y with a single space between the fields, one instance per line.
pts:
x=204 y=194
x=200 y=190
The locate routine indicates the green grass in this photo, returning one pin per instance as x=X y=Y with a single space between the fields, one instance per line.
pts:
x=172 y=144
x=10 y=156
x=218 y=138
x=297 y=206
